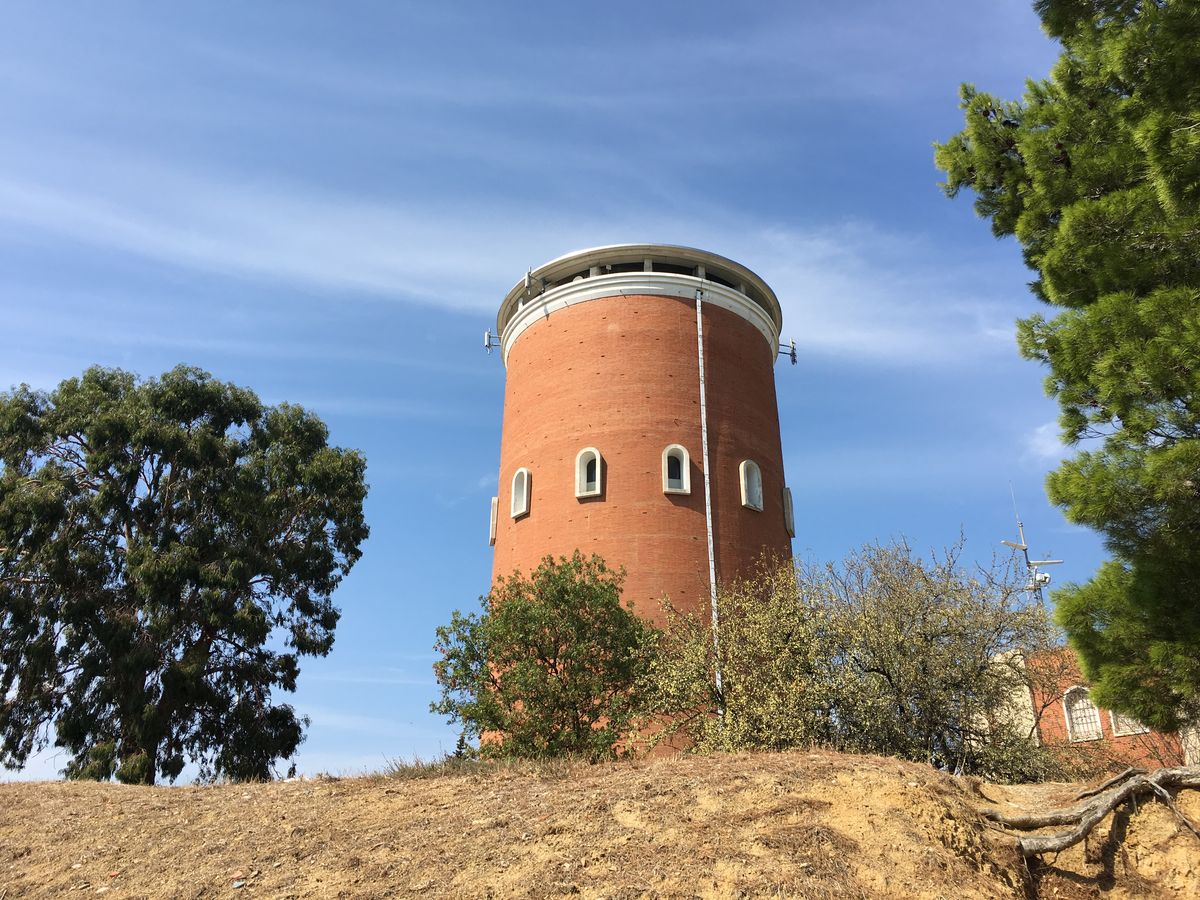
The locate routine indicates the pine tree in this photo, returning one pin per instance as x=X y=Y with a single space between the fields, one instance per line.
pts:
x=1096 y=172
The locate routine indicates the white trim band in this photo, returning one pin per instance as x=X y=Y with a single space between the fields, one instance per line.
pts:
x=624 y=284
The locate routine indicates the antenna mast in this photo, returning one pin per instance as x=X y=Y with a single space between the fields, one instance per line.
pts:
x=1037 y=579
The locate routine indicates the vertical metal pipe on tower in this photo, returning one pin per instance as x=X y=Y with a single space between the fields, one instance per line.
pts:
x=708 y=524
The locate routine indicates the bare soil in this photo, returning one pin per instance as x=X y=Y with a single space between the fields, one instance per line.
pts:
x=815 y=825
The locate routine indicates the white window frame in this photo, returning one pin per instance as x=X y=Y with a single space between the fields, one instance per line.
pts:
x=750 y=476
x=582 y=458
x=492 y=521
x=685 y=469
x=1132 y=726
x=789 y=515
x=1087 y=696
x=519 y=502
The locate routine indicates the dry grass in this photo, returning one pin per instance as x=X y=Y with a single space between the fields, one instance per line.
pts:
x=814 y=825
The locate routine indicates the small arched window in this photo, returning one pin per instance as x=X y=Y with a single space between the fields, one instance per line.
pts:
x=752 y=490
x=589 y=473
x=521 y=485
x=492 y=522
x=789 y=516
x=676 y=470
x=1083 y=718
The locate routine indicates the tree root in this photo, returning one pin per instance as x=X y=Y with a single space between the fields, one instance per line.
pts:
x=1101 y=801
x=1116 y=779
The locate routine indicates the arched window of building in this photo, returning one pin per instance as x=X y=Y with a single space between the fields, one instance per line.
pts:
x=676 y=470
x=1125 y=725
x=492 y=522
x=752 y=490
x=789 y=517
x=521 y=485
x=589 y=473
x=1083 y=718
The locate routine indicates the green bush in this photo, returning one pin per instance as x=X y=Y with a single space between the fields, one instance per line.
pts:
x=550 y=666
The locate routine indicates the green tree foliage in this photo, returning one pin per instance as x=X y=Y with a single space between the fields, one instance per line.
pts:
x=549 y=666
x=883 y=653
x=1097 y=174
x=168 y=549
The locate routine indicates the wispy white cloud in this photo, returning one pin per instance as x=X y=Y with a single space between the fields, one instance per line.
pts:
x=1043 y=444
x=849 y=289
x=485 y=484
x=771 y=56
x=854 y=290
x=337 y=244
x=94 y=326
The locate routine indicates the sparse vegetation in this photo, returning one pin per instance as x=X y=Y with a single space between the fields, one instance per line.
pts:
x=882 y=653
x=549 y=767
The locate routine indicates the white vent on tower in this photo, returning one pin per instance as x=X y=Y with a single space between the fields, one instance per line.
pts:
x=492 y=522
x=789 y=517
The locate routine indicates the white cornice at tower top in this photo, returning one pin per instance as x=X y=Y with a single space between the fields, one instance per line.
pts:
x=630 y=269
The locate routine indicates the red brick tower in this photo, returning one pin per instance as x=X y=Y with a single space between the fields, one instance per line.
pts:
x=606 y=414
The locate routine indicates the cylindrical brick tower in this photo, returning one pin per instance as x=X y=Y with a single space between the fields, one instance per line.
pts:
x=606 y=413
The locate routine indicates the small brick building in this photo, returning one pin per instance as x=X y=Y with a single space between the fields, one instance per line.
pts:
x=640 y=420
x=1067 y=717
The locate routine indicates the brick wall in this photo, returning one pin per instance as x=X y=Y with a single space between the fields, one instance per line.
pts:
x=621 y=375
x=1054 y=675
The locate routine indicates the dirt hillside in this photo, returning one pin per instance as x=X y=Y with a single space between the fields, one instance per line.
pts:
x=794 y=825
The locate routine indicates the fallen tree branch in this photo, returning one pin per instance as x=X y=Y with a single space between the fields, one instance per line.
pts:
x=1129 y=785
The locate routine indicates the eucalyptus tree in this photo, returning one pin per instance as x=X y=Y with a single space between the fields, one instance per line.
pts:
x=168 y=551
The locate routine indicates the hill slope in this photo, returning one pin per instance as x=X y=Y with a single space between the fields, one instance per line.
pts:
x=792 y=824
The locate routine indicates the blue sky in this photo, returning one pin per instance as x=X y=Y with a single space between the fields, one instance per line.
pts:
x=327 y=203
